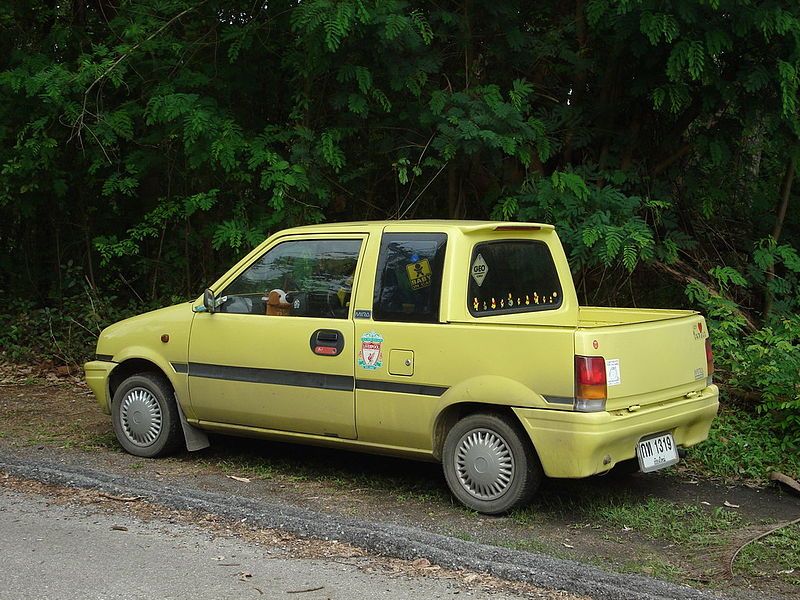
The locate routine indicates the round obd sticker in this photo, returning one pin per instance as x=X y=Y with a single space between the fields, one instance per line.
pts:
x=479 y=269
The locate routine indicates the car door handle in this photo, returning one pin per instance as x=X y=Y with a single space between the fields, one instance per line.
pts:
x=327 y=342
x=327 y=335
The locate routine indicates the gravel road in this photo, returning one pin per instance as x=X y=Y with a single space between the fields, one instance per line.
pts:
x=380 y=538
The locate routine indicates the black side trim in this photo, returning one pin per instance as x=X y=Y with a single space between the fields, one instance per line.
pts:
x=300 y=379
x=274 y=376
x=105 y=357
x=559 y=399
x=401 y=388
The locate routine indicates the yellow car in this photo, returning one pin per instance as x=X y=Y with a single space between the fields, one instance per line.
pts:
x=453 y=341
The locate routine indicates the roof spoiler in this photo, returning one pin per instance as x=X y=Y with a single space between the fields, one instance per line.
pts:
x=499 y=226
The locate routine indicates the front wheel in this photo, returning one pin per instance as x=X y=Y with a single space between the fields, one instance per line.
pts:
x=145 y=416
x=488 y=464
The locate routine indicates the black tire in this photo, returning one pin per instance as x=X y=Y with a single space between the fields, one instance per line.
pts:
x=150 y=425
x=510 y=466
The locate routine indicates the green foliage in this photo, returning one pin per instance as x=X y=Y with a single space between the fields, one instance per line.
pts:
x=744 y=446
x=598 y=225
x=764 y=362
x=154 y=142
x=63 y=335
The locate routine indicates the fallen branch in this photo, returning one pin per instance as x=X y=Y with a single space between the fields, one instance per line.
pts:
x=314 y=589
x=792 y=484
x=755 y=539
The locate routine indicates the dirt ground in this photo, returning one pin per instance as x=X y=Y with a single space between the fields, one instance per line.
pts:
x=708 y=521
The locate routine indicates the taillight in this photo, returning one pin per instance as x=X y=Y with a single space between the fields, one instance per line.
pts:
x=709 y=360
x=590 y=383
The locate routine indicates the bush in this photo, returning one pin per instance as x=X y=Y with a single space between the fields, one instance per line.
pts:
x=759 y=365
x=744 y=446
x=65 y=332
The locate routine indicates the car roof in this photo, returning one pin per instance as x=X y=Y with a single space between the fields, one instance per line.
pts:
x=426 y=224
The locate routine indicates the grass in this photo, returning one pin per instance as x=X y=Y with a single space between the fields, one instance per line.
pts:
x=106 y=440
x=669 y=521
x=535 y=545
x=742 y=446
x=404 y=480
x=653 y=566
x=653 y=517
x=463 y=535
x=777 y=554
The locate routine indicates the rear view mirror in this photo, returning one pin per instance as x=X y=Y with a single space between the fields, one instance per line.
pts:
x=209 y=301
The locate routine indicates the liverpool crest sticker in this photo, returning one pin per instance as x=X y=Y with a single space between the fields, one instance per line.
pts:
x=370 y=356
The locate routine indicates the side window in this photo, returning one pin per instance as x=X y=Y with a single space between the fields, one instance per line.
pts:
x=300 y=278
x=408 y=282
x=512 y=276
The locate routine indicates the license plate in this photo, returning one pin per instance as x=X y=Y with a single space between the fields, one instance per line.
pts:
x=657 y=452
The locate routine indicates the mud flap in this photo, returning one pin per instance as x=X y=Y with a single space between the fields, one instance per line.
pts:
x=196 y=439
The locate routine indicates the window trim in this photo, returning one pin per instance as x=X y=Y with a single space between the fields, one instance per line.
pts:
x=510 y=311
x=425 y=236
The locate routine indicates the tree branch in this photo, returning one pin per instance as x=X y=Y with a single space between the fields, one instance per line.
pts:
x=79 y=121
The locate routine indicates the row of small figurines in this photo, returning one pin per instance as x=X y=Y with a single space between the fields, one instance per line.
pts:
x=536 y=299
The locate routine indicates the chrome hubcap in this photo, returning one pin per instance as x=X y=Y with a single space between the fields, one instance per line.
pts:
x=484 y=464
x=140 y=416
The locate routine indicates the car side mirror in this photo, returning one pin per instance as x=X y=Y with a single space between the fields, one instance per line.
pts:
x=209 y=301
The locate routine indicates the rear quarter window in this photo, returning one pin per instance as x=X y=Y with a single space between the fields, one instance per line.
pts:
x=511 y=276
x=409 y=278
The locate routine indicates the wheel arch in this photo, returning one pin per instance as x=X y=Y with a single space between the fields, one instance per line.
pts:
x=453 y=413
x=490 y=394
x=129 y=367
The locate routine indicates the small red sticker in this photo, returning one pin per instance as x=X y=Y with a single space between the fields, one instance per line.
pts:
x=326 y=350
x=700 y=327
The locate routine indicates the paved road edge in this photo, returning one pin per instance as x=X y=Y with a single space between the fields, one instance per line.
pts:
x=382 y=538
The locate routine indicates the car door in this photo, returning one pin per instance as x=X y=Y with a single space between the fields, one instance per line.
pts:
x=402 y=362
x=279 y=352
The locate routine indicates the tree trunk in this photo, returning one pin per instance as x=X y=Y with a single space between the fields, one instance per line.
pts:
x=579 y=83
x=453 y=190
x=786 y=192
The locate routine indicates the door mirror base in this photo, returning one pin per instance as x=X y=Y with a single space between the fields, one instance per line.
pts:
x=209 y=301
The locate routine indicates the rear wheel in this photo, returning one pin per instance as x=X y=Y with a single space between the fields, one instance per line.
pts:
x=145 y=416
x=489 y=465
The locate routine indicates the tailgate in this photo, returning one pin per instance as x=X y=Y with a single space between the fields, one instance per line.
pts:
x=648 y=362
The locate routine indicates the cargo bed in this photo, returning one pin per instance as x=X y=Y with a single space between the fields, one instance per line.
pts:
x=651 y=356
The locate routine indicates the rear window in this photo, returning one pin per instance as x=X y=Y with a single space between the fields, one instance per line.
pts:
x=512 y=276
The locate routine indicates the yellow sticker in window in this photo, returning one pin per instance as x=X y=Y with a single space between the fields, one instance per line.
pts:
x=419 y=274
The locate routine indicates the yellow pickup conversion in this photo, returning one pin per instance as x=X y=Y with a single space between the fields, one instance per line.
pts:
x=455 y=341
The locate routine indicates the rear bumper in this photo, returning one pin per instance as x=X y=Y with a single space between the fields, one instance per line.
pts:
x=571 y=444
x=97 y=372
